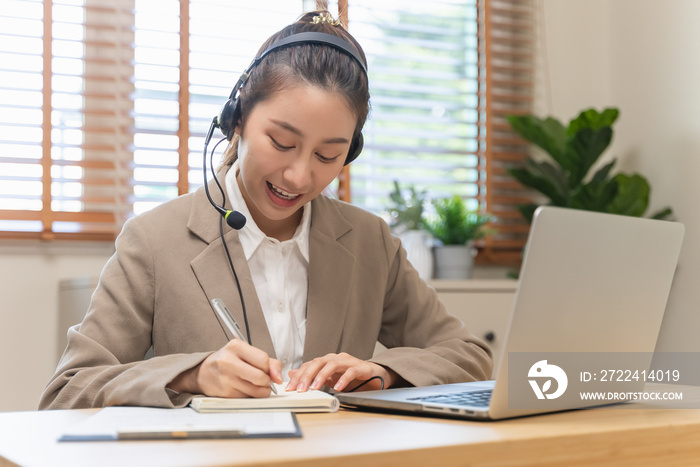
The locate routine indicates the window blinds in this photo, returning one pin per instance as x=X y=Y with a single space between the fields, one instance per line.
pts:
x=423 y=127
x=105 y=104
x=506 y=80
x=64 y=143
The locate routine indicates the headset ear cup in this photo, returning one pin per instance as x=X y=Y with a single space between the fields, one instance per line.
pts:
x=355 y=148
x=228 y=117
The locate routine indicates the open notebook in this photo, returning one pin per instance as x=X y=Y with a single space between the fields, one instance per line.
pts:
x=309 y=401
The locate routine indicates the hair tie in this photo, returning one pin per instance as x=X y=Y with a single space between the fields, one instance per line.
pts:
x=325 y=18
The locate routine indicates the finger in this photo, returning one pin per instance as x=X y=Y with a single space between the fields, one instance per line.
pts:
x=291 y=384
x=251 y=355
x=224 y=375
x=241 y=362
x=326 y=373
x=308 y=371
x=337 y=365
x=276 y=370
x=351 y=374
x=295 y=377
x=243 y=388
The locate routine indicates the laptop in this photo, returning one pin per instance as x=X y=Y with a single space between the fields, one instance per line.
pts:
x=591 y=284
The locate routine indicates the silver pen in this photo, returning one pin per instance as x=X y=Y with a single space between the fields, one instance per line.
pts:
x=231 y=324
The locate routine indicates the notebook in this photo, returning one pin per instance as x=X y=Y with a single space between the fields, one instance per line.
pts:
x=293 y=401
x=592 y=286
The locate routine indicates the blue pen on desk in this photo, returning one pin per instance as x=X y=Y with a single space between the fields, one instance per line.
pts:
x=231 y=324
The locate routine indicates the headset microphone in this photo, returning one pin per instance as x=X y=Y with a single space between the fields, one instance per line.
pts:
x=234 y=219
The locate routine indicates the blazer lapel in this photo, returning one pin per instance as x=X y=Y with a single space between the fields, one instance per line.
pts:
x=330 y=270
x=214 y=272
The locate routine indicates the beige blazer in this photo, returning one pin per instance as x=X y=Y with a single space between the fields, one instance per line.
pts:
x=170 y=262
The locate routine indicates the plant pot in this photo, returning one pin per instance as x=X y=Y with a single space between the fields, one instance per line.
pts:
x=454 y=261
x=418 y=245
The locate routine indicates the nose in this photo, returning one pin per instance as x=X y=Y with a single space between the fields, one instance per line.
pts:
x=298 y=173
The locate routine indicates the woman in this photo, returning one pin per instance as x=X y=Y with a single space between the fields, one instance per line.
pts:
x=320 y=281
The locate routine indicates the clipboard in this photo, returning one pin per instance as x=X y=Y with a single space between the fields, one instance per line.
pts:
x=148 y=423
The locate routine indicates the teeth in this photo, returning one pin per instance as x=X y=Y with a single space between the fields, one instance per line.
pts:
x=282 y=193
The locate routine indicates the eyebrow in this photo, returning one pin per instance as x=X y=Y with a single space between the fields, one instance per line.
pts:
x=298 y=132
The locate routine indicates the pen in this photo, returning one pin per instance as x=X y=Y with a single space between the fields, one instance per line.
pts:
x=231 y=324
x=179 y=433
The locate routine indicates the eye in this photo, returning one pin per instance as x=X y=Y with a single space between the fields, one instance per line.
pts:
x=327 y=160
x=279 y=146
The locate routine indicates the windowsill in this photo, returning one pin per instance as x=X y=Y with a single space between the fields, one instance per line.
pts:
x=37 y=247
x=475 y=285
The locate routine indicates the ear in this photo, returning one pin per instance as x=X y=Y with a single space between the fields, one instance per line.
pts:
x=238 y=129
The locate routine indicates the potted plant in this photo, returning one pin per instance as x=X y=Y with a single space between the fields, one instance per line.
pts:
x=562 y=177
x=408 y=224
x=456 y=228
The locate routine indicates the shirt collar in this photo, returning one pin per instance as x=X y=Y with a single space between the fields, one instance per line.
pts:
x=250 y=235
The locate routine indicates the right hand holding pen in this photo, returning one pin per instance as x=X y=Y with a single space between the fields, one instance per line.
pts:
x=236 y=370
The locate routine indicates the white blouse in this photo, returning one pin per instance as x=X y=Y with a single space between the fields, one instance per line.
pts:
x=281 y=277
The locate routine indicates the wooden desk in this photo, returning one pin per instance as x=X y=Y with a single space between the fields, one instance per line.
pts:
x=641 y=437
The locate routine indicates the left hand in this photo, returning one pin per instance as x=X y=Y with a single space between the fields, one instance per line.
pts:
x=339 y=371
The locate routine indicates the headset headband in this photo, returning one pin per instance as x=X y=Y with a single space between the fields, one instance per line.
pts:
x=303 y=38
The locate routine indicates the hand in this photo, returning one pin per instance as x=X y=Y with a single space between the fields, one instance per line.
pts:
x=236 y=370
x=339 y=371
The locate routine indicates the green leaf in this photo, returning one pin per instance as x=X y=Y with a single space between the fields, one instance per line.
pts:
x=663 y=214
x=591 y=118
x=548 y=134
x=575 y=150
x=583 y=150
x=455 y=225
x=597 y=194
x=632 y=196
x=527 y=211
x=407 y=211
x=545 y=178
x=603 y=173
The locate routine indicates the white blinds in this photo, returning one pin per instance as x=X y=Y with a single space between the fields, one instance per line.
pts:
x=64 y=118
x=422 y=130
x=21 y=81
x=156 y=91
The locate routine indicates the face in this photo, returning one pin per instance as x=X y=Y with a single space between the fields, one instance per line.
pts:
x=292 y=146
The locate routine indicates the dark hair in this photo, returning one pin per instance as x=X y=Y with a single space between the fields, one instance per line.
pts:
x=307 y=63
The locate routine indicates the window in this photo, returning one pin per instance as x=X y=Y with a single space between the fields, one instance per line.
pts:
x=104 y=105
x=175 y=104
x=98 y=120
x=444 y=75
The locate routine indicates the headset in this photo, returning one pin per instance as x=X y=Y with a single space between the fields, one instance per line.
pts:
x=230 y=114
x=231 y=111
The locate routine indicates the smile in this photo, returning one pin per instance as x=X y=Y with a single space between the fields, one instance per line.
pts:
x=281 y=193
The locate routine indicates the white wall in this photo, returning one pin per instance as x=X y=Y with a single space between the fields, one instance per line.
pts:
x=29 y=278
x=642 y=57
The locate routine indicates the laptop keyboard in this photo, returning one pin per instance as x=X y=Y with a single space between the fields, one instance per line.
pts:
x=467 y=398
